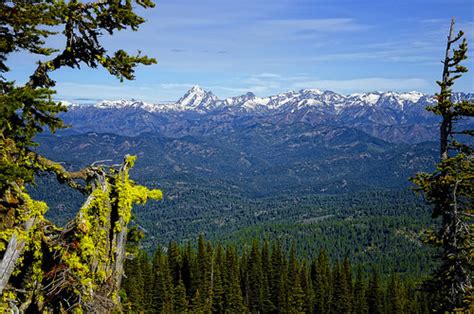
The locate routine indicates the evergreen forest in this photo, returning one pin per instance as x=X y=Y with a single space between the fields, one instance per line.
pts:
x=204 y=277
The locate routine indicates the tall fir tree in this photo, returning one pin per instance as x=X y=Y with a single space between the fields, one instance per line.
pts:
x=348 y=285
x=394 y=295
x=180 y=301
x=275 y=278
x=268 y=306
x=162 y=300
x=339 y=289
x=186 y=269
x=134 y=282
x=307 y=286
x=360 y=298
x=450 y=189
x=322 y=283
x=174 y=261
x=234 y=302
x=147 y=277
x=254 y=288
x=296 y=295
x=374 y=293
x=218 y=281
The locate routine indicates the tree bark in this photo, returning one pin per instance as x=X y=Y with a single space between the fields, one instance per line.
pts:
x=12 y=254
x=446 y=124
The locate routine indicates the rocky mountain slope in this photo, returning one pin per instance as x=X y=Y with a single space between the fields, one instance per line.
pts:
x=390 y=116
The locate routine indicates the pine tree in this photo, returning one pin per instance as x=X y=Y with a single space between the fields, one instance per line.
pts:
x=255 y=279
x=147 y=277
x=233 y=298
x=360 y=299
x=180 y=301
x=394 y=295
x=188 y=261
x=374 y=294
x=168 y=296
x=307 y=287
x=275 y=278
x=174 y=262
x=134 y=283
x=339 y=290
x=210 y=279
x=295 y=291
x=162 y=300
x=268 y=306
x=202 y=280
x=283 y=291
x=348 y=289
x=197 y=305
x=322 y=283
x=450 y=189
x=218 y=281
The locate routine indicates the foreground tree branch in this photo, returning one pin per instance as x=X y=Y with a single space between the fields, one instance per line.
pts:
x=42 y=266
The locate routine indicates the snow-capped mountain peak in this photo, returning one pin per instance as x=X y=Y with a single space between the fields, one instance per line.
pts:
x=198 y=99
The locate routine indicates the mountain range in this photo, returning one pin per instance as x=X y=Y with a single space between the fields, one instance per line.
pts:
x=390 y=116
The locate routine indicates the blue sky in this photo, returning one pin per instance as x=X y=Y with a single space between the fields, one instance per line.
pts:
x=269 y=47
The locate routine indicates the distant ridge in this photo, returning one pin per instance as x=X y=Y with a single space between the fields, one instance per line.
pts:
x=199 y=100
x=391 y=116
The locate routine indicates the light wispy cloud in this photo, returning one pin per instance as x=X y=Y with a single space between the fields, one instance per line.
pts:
x=152 y=93
x=366 y=84
x=325 y=25
x=277 y=84
x=270 y=46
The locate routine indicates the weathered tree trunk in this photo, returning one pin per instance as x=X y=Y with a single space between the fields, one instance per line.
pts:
x=12 y=254
x=446 y=123
x=81 y=264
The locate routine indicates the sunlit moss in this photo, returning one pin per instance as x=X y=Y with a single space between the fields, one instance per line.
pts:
x=88 y=261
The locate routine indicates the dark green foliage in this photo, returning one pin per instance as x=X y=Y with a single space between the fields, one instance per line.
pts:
x=163 y=289
x=342 y=291
x=218 y=281
x=233 y=294
x=321 y=275
x=294 y=286
x=374 y=293
x=25 y=26
x=254 y=282
x=296 y=294
x=174 y=261
x=360 y=290
x=180 y=302
x=394 y=295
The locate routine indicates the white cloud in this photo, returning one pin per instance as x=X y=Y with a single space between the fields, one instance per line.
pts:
x=113 y=91
x=320 y=25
